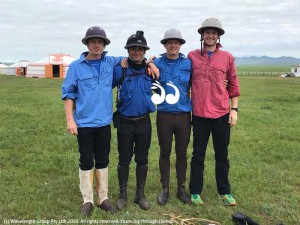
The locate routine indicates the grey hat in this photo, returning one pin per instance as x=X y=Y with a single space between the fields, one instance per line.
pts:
x=95 y=32
x=211 y=23
x=172 y=34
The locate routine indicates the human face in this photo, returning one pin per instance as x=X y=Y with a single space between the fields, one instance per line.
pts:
x=172 y=47
x=96 y=47
x=137 y=54
x=210 y=37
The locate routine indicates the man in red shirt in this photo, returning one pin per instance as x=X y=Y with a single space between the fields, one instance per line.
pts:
x=211 y=109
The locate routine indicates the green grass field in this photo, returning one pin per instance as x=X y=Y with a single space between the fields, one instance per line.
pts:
x=39 y=160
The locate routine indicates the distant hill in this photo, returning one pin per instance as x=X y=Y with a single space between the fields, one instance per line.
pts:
x=266 y=61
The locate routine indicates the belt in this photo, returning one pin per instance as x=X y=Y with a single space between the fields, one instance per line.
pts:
x=135 y=118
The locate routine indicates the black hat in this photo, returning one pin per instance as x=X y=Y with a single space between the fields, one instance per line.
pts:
x=137 y=40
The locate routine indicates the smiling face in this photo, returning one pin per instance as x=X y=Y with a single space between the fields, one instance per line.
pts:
x=137 y=53
x=210 y=37
x=96 y=47
x=172 y=47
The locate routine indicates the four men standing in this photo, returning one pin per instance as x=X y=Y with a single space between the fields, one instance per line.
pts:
x=89 y=83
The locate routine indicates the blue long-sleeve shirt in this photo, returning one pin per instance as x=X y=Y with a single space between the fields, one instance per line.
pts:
x=179 y=74
x=91 y=90
x=135 y=93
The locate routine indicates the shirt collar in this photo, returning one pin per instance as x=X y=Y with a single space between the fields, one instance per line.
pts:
x=84 y=54
x=218 y=47
x=180 y=55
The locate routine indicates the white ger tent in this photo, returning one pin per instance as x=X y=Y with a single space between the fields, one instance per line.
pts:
x=53 y=65
x=18 y=68
x=2 y=68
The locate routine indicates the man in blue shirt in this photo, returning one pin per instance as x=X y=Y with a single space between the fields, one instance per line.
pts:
x=89 y=84
x=134 y=128
x=173 y=113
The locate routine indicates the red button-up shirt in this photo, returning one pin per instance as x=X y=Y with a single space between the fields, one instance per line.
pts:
x=210 y=99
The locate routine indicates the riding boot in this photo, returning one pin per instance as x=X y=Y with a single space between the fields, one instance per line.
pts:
x=181 y=194
x=140 y=199
x=123 y=173
x=163 y=198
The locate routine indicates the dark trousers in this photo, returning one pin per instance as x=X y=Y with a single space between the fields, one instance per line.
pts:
x=220 y=130
x=179 y=125
x=94 y=144
x=134 y=137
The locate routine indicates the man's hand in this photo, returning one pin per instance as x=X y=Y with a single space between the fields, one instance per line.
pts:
x=69 y=105
x=153 y=71
x=232 y=118
x=72 y=127
x=124 y=63
x=225 y=82
x=151 y=59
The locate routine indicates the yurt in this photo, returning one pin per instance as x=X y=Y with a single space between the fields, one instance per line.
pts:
x=18 y=68
x=53 y=65
x=2 y=68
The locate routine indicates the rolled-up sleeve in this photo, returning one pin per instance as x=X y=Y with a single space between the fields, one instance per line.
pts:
x=69 y=86
x=233 y=87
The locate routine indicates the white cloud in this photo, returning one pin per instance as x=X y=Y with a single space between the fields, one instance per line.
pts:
x=32 y=29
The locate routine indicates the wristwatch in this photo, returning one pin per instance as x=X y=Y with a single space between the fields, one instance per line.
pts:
x=235 y=109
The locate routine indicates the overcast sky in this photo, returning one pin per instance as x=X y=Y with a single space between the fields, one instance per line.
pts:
x=32 y=29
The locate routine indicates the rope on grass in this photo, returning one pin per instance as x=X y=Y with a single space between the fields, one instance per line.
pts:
x=189 y=221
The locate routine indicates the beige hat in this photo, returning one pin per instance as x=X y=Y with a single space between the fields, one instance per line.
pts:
x=211 y=23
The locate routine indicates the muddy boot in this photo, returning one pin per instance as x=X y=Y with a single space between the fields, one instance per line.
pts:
x=140 y=199
x=181 y=194
x=106 y=206
x=86 y=209
x=123 y=173
x=163 y=198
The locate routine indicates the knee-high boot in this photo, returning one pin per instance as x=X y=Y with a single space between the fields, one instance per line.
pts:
x=123 y=173
x=102 y=190
x=140 y=199
x=86 y=189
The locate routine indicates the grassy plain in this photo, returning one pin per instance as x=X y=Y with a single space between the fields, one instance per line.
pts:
x=39 y=160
